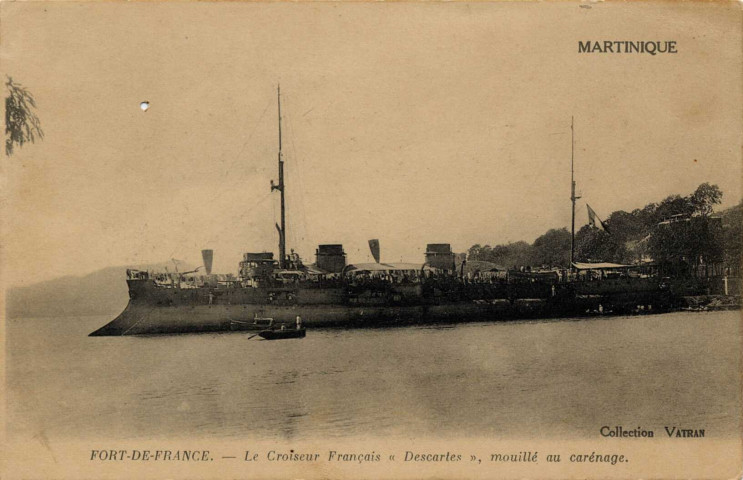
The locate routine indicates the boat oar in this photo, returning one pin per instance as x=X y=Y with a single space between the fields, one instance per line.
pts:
x=253 y=336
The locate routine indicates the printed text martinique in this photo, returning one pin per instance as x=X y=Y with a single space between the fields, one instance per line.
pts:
x=627 y=46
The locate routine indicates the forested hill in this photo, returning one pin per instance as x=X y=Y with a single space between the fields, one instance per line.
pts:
x=103 y=292
x=627 y=237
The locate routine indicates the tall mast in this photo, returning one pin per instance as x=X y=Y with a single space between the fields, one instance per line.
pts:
x=573 y=198
x=280 y=188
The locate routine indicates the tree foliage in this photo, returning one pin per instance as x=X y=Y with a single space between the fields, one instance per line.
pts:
x=595 y=245
x=21 y=123
x=688 y=243
x=732 y=234
x=705 y=198
x=508 y=255
x=552 y=248
x=679 y=230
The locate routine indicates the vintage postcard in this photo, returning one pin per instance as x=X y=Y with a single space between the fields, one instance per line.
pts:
x=422 y=240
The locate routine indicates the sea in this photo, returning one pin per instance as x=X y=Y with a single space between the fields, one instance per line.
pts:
x=553 y=379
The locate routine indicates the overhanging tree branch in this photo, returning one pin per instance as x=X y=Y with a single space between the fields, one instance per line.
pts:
x=21 y=123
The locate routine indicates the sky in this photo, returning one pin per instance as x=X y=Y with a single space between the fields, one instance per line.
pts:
x=411 y=123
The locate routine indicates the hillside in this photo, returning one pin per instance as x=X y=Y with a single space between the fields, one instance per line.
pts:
x=102 y=292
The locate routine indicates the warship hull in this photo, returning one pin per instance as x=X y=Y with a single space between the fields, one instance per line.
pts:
x=154 y=310
x=145 y=320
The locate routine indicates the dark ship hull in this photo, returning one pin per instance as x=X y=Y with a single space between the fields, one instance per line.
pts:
x=155 y=309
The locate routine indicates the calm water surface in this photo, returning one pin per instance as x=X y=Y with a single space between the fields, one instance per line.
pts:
x=547 y=378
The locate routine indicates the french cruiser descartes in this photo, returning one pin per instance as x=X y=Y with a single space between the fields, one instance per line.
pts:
x=334 y=293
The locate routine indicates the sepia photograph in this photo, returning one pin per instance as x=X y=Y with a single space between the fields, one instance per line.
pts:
x=371 y=240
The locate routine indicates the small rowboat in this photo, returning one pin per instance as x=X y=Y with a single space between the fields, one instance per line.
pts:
x=256 y=324
x=279 y=334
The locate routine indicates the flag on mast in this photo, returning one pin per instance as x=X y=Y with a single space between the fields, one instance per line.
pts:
x=592 y=220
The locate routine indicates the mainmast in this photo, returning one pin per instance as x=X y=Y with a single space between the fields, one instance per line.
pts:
x=280 y=188
x=573 y=198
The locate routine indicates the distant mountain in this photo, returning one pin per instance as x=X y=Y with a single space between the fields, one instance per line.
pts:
x=103 y=292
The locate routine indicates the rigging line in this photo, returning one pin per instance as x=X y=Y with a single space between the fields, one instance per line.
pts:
x=180 y=247
x=250 y=136
x=240 y=217
x=236 y=178
x=176 y=249
x=228 y=224
x=296 y=175
x=255 y=128
x=299 y=162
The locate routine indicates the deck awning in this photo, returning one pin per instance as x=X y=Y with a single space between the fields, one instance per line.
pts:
x=289 y=272
x=600 y=266
x=383 y=267
x=315 y=270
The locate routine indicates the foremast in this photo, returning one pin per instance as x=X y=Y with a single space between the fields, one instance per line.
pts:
x=280 y=187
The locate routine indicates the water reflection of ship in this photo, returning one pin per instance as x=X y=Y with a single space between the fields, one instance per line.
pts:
x=331 y=292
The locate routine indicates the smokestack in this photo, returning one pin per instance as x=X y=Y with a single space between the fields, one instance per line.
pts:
x=207 y=256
